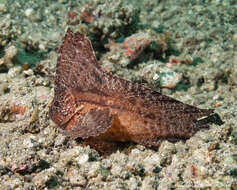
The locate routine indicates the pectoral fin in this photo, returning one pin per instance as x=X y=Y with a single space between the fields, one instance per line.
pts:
x=90 y=124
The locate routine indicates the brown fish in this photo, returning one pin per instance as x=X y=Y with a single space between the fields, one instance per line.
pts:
x=104 y=109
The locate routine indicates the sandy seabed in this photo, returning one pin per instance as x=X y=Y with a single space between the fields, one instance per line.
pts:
x=203 y=35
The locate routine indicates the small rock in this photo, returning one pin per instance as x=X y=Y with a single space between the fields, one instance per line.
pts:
x=106 y=163
x=10 y=53
x=7 y=59
x=75 y=178
x=29 y=12
x=132 y=183
x=3 y=8
x=28 y=72
x=45 y=178
x=82 y=159
x=60 y=140
x=93 y=169
x=30 y=142
x=116 y=170
x=14 y=71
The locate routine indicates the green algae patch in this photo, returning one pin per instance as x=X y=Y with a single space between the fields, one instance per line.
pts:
x=30 y=58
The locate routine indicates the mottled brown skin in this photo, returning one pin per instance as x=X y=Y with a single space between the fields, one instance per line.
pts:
x=102 y=109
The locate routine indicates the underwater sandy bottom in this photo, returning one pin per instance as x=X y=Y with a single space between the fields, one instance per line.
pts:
x=33 y=153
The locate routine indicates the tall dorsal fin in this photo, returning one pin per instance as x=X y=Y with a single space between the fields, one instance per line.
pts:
x=77 y=68
x=77 y=65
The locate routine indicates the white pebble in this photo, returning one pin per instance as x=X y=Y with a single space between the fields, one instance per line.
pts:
x=10 y=52
x=29 y=12
x=82 y=159
x=156 y=76
x=28 y=72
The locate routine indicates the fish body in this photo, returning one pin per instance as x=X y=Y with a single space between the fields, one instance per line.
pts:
x=94 y=105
